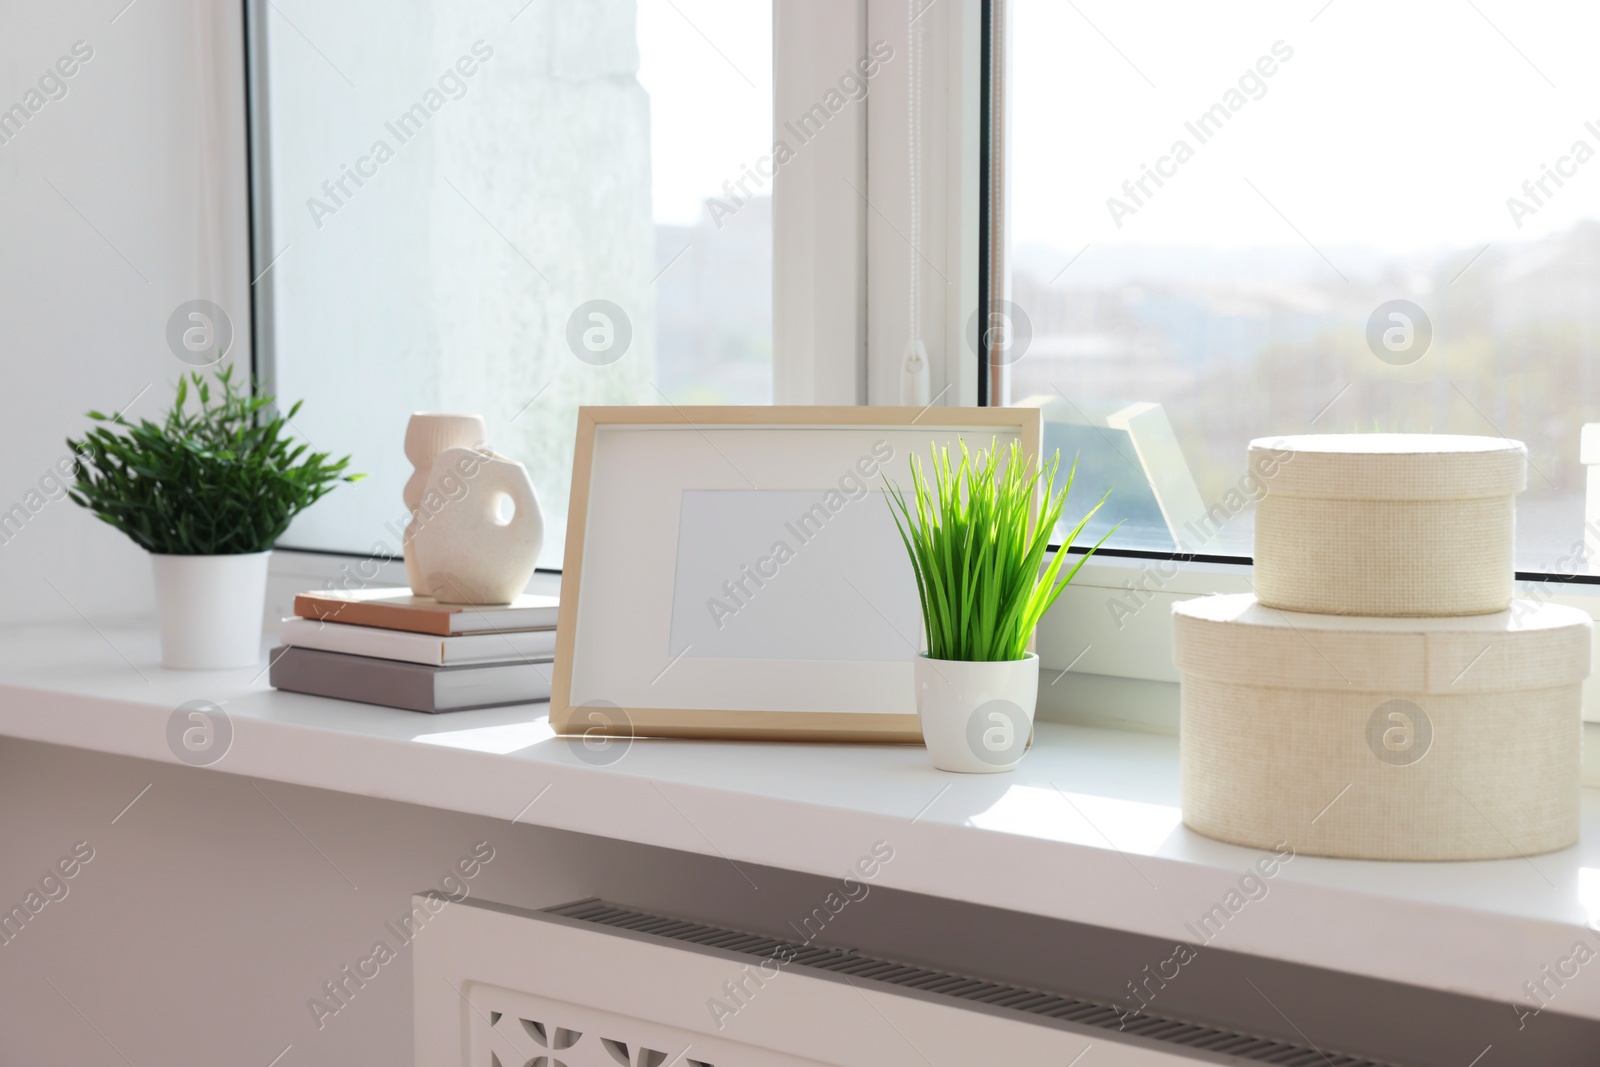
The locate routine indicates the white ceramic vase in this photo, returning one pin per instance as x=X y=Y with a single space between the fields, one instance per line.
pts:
x=977 y=717
x=427 y=435
x=212 y=609
x=465 y=552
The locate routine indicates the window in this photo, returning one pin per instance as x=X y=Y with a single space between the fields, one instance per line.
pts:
x=1329 y=217
x=511 y=209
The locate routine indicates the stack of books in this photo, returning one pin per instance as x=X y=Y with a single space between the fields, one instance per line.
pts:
x=386 y=646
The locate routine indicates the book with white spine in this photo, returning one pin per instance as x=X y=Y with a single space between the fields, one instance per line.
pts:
x=428 y=649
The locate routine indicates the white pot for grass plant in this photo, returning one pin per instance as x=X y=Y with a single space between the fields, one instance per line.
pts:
x=212 y=609
x=977 y=717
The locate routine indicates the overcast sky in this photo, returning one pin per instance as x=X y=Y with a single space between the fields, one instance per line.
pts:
x=1400 y=125
x=707 y=65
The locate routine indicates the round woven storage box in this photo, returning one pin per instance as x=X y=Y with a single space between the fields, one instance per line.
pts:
x=1387 y=523
x=1394 y=739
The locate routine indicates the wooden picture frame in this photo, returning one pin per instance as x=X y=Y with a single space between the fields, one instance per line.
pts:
x=666 y=499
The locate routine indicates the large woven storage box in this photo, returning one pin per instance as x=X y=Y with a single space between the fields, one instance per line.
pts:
x=1398 y=739
x=1386 y=524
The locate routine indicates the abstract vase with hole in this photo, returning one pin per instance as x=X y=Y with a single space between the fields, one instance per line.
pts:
x=427 y=434
x=976 y=715
x=466 y=550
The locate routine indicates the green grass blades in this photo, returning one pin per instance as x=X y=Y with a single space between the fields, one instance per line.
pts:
x=977 y=546
x=221 y=480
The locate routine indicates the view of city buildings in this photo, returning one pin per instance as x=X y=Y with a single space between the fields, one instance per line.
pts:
x=713 y=324
x=1251 y=342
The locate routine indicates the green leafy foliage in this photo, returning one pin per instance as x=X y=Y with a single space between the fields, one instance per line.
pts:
x=221 y=480
x=977 y=546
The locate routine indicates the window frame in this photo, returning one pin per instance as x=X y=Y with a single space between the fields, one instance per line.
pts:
x=841 y=278
x=995 y=135
x=820 y=238
x=1131 y=682
x=842 y=261
x=947 y=256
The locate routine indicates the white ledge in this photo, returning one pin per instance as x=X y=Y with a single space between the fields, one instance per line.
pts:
x=1087 y=829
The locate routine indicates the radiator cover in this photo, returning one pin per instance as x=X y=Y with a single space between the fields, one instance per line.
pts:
x=591 y=984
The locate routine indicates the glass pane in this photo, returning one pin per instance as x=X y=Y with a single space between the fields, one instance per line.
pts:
x=508 y=209
x=1335 y=217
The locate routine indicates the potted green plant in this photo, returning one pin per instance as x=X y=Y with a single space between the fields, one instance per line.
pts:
x=207 y=492
x=977 y=541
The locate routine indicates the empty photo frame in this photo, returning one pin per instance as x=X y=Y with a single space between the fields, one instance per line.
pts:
x=735 y=571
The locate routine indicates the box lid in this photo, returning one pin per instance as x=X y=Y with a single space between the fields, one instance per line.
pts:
x=1390 y=466
x=1235 y=638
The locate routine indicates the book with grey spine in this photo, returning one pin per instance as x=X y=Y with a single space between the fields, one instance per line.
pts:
x=409 y=686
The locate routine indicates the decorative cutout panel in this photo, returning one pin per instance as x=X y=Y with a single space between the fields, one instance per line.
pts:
x=593 y=985
x=509 y=1029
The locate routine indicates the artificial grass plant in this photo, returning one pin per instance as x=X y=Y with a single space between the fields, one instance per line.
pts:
x=977 y=546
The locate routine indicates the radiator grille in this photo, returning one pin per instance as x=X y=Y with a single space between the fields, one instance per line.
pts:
x=1219 y=1043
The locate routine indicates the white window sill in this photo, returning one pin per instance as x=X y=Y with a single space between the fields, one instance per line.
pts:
x=1121 y=675
x=1088 y=829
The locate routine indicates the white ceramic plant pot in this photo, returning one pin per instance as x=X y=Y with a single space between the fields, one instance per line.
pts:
x=211 y=609
x=977 y=717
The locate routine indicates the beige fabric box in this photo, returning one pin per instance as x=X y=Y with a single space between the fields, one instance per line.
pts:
x=1397 y=739
x=1387 y=524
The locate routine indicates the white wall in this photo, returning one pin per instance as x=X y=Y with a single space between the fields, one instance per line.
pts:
x=205 y=921
x=216 y=906
x=146 y=147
